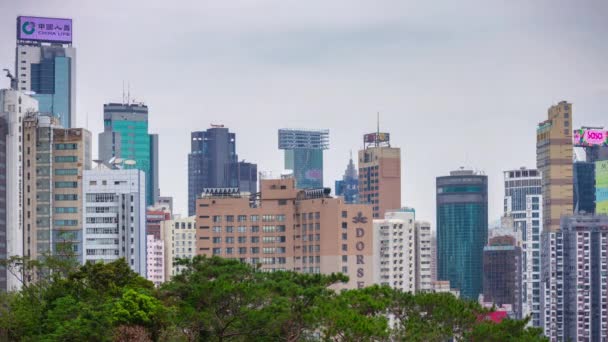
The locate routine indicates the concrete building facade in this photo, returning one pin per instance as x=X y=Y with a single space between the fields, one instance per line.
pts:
x=554 y=162
x=155 y=260
x=380 y=177
x=14 y=106
x=286 y=228
x=523 y=206
x=424 y=256
x=115 y=216
x=179 y=238
x=54 y=161
x=574 y=282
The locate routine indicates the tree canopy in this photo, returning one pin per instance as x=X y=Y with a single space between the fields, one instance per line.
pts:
x=216 y=299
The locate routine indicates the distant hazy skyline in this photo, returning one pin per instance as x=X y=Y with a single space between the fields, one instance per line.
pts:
x=461 y=83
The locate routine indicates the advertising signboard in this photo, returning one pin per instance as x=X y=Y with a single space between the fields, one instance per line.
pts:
x=53 y=30
x=376 y=137
x=590 y=137
x=601 y=187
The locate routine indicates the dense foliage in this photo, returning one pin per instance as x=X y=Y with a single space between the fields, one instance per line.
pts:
x=216 y=299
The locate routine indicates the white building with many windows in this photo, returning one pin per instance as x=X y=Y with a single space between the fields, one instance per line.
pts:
x=155 y=259
x=523 y=208
x=115 y=216
x=179 y=238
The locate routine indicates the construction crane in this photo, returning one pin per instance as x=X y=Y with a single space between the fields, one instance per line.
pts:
x=12 y=78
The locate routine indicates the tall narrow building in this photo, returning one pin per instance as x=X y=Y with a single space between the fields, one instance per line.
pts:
x=523 y=204
x=14 y=106
x=115 y=216
x=212 y=162
x=380 y=174
x=554 y=162
x=462 y=230
x=54 y=160
x=574 y=282
x=502 y=273
x=46 y=65
x=348 y=186
x=125 y=138
x=304 y=155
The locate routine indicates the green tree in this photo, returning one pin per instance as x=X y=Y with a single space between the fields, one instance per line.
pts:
x=507 y=330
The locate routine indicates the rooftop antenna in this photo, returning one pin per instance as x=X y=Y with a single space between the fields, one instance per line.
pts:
x=123 y=91
x=128 y=92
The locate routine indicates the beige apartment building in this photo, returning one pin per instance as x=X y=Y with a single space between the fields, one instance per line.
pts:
x=54 y=159
x=285 y=228
x=380 y=176
x=554 y=161
x=179 y=238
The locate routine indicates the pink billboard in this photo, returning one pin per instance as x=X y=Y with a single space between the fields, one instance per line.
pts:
x=590 y=137
x=44 y=29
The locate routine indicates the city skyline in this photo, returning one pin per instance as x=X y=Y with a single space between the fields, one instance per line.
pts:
x=330 y=77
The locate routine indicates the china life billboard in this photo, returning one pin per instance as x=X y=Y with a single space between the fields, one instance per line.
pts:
x=52 y=30
x=601 y=187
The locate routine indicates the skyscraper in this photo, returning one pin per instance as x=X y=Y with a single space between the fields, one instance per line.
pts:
x=379 y=174
x=248 y=177
x=54 y=161
x=212 y=162
x=304 y=155
x=46 y=65
x=502 y=273
x=462 y=230
x=574 y=282
x=348 y=186
x=125 y=137
x=554 y=162
x=14 y=105
x=523 y=204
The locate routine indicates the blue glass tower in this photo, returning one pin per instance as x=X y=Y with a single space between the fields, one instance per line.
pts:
x=348 y=186
x=304 y=155
x=462 y=230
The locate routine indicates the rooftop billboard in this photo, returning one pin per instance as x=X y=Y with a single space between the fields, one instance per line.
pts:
x=52 y=30
x=590 y=137
x=376 y=138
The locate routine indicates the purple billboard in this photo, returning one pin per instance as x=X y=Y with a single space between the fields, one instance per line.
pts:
x=44 y=29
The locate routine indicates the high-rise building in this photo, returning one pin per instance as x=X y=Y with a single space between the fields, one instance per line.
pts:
x=590 y=145
x=125 y=140
x=462 y=230
x=54 y=160
x=165 y=203
x=424 y=256
x=502 y=273
x=179 y=237
x=395 y=250
x=115 y=216
x=574 y=282
x=304 y=155
x=554 y=162
x=212 y=162
x=14 y=106
x=155 y=259
x=329 y=237
x=380 y=174
x=248 y=177
x=46 y=64
x=523 y=205
x=348 y=186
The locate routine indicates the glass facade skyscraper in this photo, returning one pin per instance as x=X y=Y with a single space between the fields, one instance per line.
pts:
x=462 y=230
x=304 y=155
x=125 y=138
x=212 y=162
x=50 y=72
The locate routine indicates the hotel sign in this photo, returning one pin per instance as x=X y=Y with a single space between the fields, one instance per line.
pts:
x=360 y=247
x=52 y=30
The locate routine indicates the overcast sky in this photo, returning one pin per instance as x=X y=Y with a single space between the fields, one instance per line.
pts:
x=462 y=83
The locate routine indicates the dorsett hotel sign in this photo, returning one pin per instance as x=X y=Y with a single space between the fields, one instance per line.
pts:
x=363 y=250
